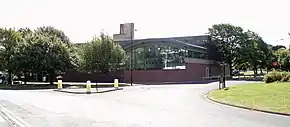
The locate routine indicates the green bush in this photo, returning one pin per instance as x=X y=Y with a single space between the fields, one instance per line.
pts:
x=277 y=76
x=285 y=76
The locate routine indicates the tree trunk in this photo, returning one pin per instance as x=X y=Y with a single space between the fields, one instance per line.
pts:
x=25 y=78
x=51 y=78
x=261 y=71
x=231 y=68
x=255 y=71
x=9 y=80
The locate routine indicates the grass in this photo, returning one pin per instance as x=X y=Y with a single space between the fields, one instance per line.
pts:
x=4 y=86
x=273 y=97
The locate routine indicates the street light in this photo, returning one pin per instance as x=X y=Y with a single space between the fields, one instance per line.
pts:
x=223 y=76
x=131 y=55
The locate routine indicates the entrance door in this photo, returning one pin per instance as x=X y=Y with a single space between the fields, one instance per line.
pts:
x=207 y=72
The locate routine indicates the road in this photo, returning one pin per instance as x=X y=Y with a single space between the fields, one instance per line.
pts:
x=137 y=106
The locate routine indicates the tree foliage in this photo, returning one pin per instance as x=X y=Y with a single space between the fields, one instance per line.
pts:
x=9 y=40
x=241 y=49
x=253 y=54
x=51 y=32
x=47 y=50
x=101 y=54
x=42 y=51
x=227 y=38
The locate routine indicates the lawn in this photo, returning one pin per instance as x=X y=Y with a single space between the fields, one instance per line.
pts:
x=270 y=97
x=4 y=86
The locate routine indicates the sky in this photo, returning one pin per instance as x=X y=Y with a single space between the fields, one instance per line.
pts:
x=83 y=19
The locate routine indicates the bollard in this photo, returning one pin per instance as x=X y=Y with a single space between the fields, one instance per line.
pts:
x=59 y=84
x=89 y=87
x=116 y=83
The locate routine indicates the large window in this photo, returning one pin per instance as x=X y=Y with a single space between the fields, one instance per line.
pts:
x=160 y=56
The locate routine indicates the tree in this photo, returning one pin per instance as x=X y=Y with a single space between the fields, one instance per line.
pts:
x=2 y=64
x=254 y=52
x=51 y=56
x=50 y=31
x=9 y=40
x=54 y=51
x=226 y=38
x=101 y=54
x=268 y=58
x=277 y=47
x=282 y=56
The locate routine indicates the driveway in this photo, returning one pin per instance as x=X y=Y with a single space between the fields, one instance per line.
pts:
x=137 y=106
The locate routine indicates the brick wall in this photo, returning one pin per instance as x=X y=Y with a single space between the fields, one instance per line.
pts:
x=193 y=72
x=74 y=76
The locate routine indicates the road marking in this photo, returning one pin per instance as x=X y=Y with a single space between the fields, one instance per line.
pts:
x=16 y=121
x=1 y=119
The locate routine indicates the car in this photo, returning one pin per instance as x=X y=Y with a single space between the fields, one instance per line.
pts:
x=236 y=72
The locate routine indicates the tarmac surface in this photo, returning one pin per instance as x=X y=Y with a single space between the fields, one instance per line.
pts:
x=182 y=105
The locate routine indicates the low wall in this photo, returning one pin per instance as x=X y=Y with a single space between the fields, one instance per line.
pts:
x=193 y=72
x=74 y=76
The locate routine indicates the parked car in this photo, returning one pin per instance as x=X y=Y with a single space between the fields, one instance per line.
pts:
x=236 y=72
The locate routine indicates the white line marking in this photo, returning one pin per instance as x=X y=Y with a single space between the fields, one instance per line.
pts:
x=14 y=118
x=1 y=119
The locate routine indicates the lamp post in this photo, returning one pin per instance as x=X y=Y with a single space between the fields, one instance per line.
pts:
x=131 y=55
x=223 y=76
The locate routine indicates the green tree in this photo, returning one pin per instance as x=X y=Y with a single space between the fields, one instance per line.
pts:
x=52 y=32
x=277 y=47
x=268 y=58
x=226 y=38
x=283 y=58
x=101 y=54
x=23 y=60
x=9 y=40
x=253 y=53
x=50 y=56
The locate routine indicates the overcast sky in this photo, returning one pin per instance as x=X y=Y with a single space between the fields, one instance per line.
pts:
x=82 y=19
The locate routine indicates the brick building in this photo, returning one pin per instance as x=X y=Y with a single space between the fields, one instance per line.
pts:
x=173 y=59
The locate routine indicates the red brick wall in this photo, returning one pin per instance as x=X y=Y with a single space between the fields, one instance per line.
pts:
x=215 y=70
x=74 y=76
x=193 y=72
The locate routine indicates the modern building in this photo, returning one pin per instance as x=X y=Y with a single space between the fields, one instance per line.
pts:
x=172 y=59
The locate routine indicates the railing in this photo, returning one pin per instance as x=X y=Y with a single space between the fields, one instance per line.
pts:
x=239 y=77
x=214 y=78
x=249 y=76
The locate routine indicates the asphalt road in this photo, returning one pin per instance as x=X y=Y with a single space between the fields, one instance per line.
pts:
x=138 y=106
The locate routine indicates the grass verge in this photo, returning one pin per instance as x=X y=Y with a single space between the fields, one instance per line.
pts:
x=273 y=97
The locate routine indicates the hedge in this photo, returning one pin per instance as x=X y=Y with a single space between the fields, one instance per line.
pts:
x=277 y=76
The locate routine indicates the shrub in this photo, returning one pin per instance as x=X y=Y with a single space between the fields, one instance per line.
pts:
x=285 y=76
x=277 y=76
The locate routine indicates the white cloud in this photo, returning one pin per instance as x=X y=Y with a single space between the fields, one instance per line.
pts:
x=81 y=19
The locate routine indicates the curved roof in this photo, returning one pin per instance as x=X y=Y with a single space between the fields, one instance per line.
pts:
x=174 y=40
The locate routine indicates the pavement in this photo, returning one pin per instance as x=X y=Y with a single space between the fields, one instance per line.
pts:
x=182 y=105
x=3 y=122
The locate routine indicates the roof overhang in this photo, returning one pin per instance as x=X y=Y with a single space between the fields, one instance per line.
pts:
x=127 y=44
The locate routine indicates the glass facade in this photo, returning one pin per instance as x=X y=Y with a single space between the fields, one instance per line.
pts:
x=161 y=56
